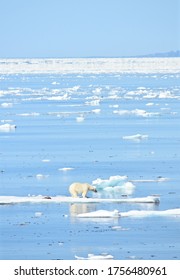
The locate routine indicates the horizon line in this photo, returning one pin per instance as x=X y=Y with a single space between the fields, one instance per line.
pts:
x=167 y=54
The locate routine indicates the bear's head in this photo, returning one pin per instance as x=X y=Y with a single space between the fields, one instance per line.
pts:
x=93 y=189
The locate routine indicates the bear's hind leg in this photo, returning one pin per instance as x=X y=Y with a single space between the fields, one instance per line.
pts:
x=74 y=194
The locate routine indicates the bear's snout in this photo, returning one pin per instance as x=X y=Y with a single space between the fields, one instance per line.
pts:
x=95 y=190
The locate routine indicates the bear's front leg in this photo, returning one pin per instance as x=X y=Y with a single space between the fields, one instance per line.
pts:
x=84 y=194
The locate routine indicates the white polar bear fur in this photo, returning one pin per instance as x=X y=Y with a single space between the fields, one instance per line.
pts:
x=80 y=188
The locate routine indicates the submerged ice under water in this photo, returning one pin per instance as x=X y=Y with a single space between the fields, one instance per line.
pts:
x=119 y=131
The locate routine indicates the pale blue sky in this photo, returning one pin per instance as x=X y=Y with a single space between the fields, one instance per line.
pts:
x=88 y=28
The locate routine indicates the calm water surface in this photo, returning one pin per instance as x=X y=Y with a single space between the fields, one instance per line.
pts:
x=79 y=121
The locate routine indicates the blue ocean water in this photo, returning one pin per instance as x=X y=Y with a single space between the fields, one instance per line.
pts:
x=78 y=121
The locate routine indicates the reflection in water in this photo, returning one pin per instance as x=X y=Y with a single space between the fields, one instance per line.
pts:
x=81 y=208
x=150 y=206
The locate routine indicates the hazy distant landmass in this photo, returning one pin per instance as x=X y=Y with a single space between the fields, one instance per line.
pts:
x=162 y=54
x=165 y=54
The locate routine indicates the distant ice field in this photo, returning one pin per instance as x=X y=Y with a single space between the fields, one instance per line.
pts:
x=90 y=65
x=114 y=123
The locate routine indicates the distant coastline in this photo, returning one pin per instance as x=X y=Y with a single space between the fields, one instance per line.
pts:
x=153 y=55
x=166 y=54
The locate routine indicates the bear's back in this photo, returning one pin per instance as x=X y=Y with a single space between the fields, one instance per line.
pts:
x=78 y=187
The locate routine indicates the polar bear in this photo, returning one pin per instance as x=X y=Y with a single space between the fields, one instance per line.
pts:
x=80 y=188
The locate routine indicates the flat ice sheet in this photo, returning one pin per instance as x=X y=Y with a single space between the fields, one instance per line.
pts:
x=96 y=257
x=90 y=65
x=132 y=213
x=60 y=199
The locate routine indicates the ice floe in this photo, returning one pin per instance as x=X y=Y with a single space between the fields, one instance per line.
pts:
x=38 y=214
x=100 y=214
x=54 y=83
x=136 y=112
x=68 y=199
x=166 y=94
x=141 y=213
x=114 y=106
x=95 y=102
x=114 y=184
x=103 y=256
x=59 y=97
x=132 y=213
x=41 y=176
x=80 y=118
x=158 y=179
x=7 y=127
x=97 y=90
x=119 y=228
x=33 y=114
x=46 y=160
x=137 y=137
x=64 y=169
x=6 y=105
x=110 y=182
x=96 y=111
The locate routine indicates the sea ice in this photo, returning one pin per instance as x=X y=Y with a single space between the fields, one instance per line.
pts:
x=46 y=160
x=112 y=181
x=96 y=111
x=119 y=228
x=136 y=137
x=38 y=214
x=97 y=90
x=115 y=184
x=33 y=114
x=165 y=94
x=65 y=169
x=7 y=127
x=158 y=179
x=55 y=83
x=132 y=213
x=100 y=214
x=136 y=112
x=141 y=213
x=68 y=199
x=102 y=256
x=59 y=97
x=6 y=105
x=41 y=176
x=80 y=118
x=90 y=65
x=95 y=102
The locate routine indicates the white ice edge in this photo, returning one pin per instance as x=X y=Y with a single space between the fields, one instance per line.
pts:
x=68 y=199
x=132 y=213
